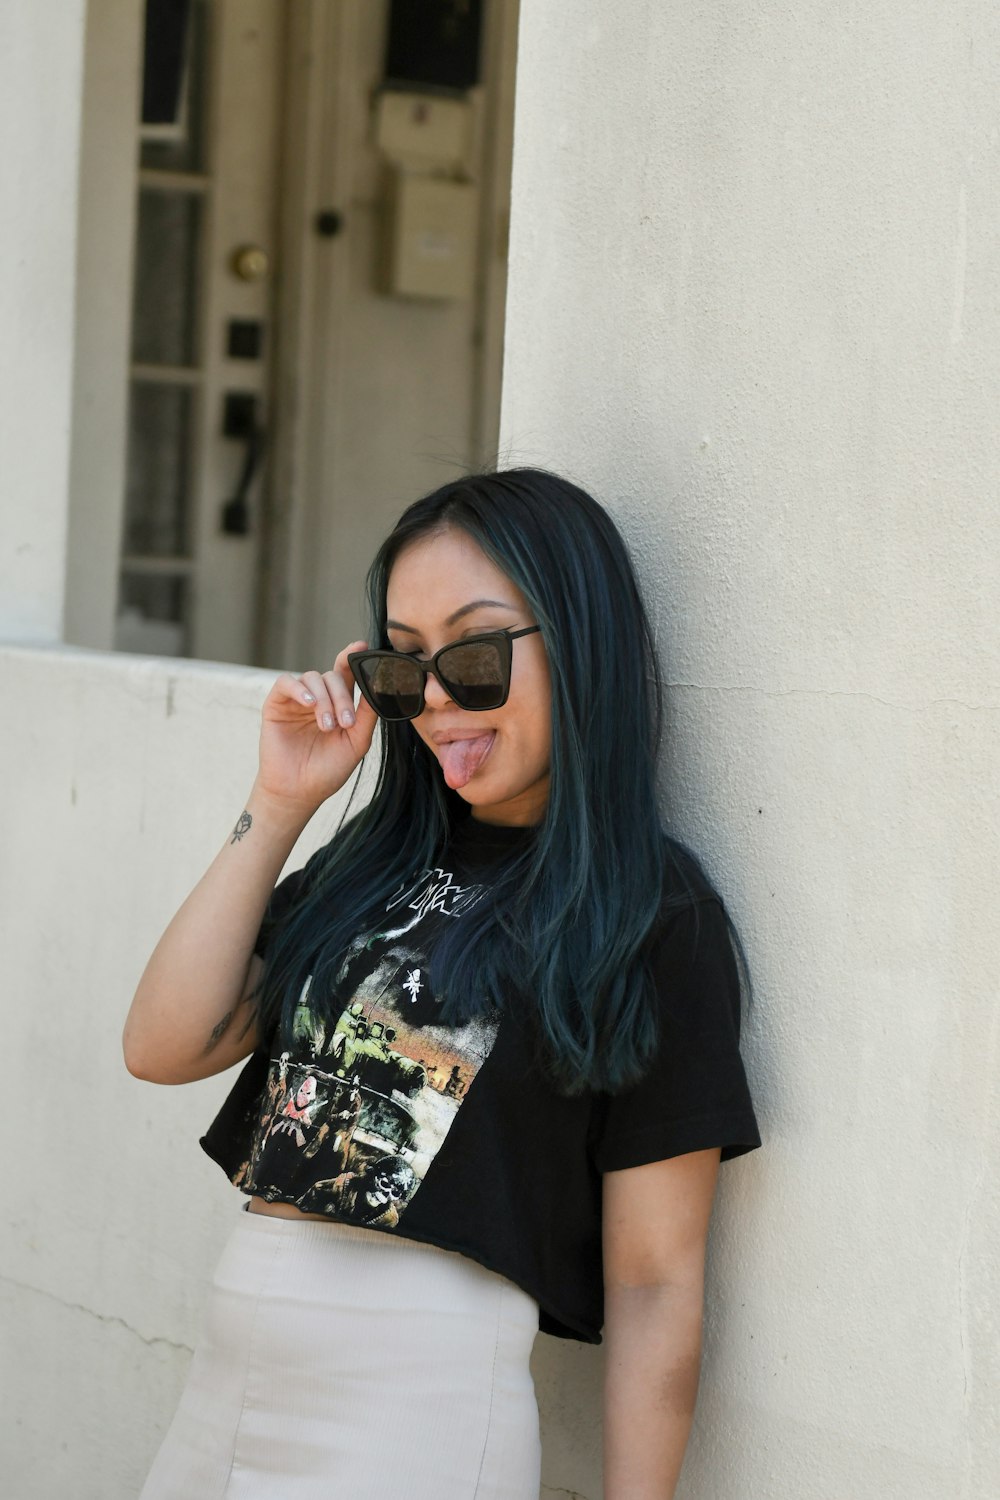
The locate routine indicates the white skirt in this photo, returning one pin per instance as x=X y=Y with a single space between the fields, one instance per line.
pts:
x=374 y=1366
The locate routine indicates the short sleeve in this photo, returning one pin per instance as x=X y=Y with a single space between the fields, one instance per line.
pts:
x=695 y=1094
x=281 y=901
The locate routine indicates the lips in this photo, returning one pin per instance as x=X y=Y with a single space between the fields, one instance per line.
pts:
x=462 y=755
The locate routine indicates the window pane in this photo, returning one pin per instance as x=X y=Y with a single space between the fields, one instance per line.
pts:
x=181 y=147
x=166 y=278
x=159 y=459
x=151 y=615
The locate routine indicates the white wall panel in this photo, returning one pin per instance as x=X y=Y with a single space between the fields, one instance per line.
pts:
x=41 y=71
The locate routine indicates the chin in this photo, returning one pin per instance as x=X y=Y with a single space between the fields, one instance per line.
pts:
x=477 y=798
x=522 y=801
x=474 y=796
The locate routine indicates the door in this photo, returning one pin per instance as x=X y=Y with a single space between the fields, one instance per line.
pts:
x=384 y=394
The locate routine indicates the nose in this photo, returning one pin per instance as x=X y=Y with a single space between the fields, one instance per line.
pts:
x=435 y=694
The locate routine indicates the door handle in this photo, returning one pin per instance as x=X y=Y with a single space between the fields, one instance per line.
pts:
x=236 y=511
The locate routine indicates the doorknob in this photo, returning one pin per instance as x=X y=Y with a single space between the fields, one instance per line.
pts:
x=250 y=262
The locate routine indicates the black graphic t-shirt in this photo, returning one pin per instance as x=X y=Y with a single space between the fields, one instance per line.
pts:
x=386 y=1119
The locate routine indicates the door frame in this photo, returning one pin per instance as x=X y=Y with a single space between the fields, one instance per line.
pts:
x=112 y=86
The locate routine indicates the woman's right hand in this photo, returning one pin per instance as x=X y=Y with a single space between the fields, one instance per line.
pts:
x=194 y=1011
x=312 y=737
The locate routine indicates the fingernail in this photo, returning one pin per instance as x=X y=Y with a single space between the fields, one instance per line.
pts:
x=347 y=717
x=308 y=698
x=328 y=721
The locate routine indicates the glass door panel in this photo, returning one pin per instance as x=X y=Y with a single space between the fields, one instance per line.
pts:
x=167 y=264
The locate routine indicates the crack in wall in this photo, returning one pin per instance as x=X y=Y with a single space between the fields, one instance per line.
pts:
x=110 y=1318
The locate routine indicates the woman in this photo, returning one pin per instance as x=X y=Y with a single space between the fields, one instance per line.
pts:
x=492 y=1031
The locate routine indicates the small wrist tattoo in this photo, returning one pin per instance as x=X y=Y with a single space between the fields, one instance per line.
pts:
x=242 y=826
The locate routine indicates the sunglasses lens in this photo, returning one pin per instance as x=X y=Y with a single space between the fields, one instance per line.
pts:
x=476 y=674
x=395 y=685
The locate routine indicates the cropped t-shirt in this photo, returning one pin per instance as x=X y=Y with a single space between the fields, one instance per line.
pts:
x=454 y=1135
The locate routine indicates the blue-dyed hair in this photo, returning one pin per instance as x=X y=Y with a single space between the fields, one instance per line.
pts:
x=565 y=923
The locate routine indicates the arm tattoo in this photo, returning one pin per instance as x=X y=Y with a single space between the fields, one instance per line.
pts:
x=219 y=1031
x=242 y=826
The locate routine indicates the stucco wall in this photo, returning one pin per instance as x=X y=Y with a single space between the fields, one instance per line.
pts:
x=754 y=304
x=121 y=776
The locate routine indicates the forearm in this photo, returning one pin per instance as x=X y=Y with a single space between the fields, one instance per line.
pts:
x=652 y=1364
x=187 y=1018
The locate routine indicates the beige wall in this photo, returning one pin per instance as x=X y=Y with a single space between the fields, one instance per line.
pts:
x=754 y=303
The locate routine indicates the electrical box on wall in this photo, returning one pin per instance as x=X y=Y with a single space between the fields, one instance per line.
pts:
x=431 y=236
x=424 y=131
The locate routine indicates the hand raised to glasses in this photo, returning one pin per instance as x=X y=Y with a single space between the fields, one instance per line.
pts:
x=311 y=735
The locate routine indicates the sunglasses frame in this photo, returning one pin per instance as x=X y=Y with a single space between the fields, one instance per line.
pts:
x=494 y=637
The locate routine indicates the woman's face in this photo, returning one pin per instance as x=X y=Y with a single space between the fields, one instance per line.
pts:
x=442 y=588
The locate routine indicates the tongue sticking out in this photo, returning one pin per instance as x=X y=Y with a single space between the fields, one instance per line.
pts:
x=461 y=759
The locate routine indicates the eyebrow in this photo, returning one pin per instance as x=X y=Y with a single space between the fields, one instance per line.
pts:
x=465 y=610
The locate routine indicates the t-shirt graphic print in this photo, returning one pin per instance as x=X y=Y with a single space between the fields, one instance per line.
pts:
x=355 y=1111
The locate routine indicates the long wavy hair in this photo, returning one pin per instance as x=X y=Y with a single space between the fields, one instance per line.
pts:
x=568 y=915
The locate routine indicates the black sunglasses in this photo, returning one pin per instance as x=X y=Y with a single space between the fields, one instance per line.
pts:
x=475 y=673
